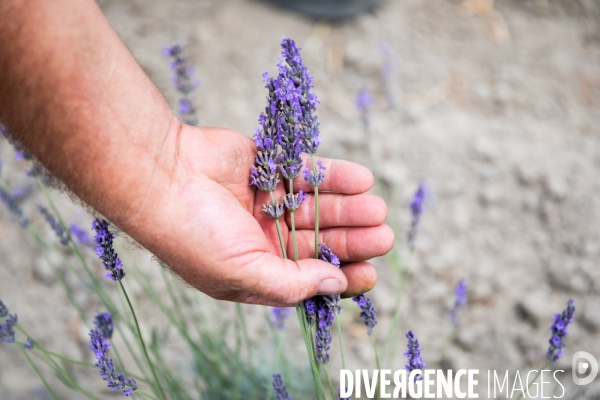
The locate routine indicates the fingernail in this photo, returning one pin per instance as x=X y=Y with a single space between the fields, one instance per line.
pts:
x=330 y=286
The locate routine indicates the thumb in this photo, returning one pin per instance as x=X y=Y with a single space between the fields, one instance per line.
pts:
x=283 y=281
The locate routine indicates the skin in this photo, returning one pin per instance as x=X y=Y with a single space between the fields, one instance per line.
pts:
x=75 y=97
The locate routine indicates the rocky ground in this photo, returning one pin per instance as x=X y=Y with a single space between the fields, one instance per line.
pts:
x=496 y=108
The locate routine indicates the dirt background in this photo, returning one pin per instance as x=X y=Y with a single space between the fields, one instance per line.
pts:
x=497 y=109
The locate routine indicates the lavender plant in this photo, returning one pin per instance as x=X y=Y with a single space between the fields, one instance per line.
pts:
x=185 y=81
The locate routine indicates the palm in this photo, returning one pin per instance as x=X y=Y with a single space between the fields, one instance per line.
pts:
x=235 y=248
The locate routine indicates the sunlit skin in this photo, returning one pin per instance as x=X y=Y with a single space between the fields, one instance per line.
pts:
x=72 y=93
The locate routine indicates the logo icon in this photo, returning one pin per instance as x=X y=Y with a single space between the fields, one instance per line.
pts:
x=584 y=363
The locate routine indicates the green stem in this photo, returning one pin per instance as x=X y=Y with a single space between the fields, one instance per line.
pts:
x=534 y=379
x=339 y=329
x=445 y=347
x=139 y=332
x=281 y=242
x=145 y=395
x=39 y=373
x=331 y=389
x=317 y=217
x=309 y=348
x=374 y=340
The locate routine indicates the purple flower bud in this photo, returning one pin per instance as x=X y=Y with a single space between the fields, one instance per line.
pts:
x=413 y=353
x=560 y=331
x=281 y=392
x=417 y=206
x=279 y=315
x=316 y=176
x=183 y=77
x=368 y=312
x=99 y=345
x=80 y=234
x=13 y=206
x=461 y=299
x=57 y=227
x=103 y=321
x=326 y=254
x=29 y=344
x=273 y=210
x=106 y=252
x=265 y=178
x=7 y=332
x=293 y=201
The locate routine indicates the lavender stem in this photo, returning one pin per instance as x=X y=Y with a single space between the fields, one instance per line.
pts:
x=281 y=243
x=139 y=333
x=39 y=374
x=293 y=224
x=534 y=379
x=316 y=189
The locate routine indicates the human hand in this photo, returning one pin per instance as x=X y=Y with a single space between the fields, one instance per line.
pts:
x=206 y=224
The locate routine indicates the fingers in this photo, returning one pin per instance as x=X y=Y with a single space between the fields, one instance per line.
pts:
x=340 y=210
x=349 y=244
x=340 y=176
x=284 y=282
x=361 y=278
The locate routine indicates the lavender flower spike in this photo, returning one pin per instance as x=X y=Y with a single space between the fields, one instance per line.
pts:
x=103 y=321
x=368 y=312
x=560 y=331
x=315 y=177
x=417 y=206
x=80 y=234
x=105 y=251
x=279 y=315
x=364 y=100
x=57 y=227
x=7 y=332
x=413 y=353
x=461 y=299
x=116 y=381
x=298 y=73
x=281 y=392
x=30 y=344
x=185 y=82
x=12 y=203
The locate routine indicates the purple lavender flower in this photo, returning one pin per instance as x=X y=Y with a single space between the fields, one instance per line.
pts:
x=12 y=204
x=325 y=319
x=316 y=176
x=417 y=206
x=364 y=100
x=281 y=392
x=298 y=73
x=368 y=312
x=413 y=353
x=105 y=251
x=29 y=344
x=560 y=331
x=326 y=254
x=293 y=201
x=185 y=82
x=80 y=234
x=99 y=345
x=3 y=310
x=7 y=332
x=103 y=321
x=279 y=315
x=273 y=210
x=461 y=299
x=323 y=310
x=57 y=227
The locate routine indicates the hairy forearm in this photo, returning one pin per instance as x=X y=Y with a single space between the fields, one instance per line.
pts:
x=74 y=96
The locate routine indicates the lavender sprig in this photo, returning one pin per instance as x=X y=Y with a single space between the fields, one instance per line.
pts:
x=363 y=103
x=29 y=344
x=104 y=323
x=279 y=315
x=281 y=392
x=417 y=206
x=99 y=345
x=105 y=251
x=7 y=331
x=560 y=330
x=12 y=203
x=368 y=312
x=80 y=234
x=57 y=227
x=413 y=353
x=460 y=292
x=185 y=82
